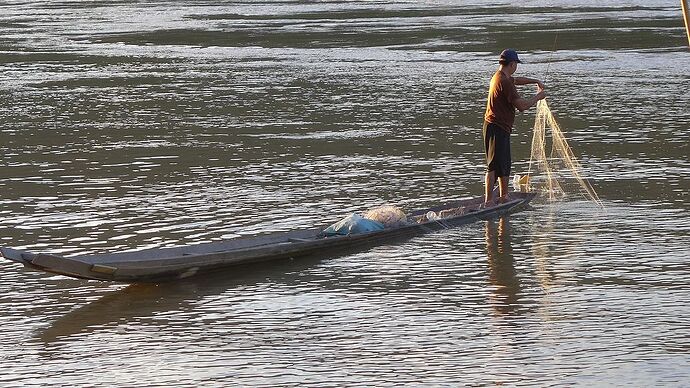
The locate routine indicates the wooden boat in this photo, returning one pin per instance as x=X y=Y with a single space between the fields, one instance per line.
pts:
x=181 y=262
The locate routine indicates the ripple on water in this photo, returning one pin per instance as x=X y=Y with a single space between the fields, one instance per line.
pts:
x=192 y=123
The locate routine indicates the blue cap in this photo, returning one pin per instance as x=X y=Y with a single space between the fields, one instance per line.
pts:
x=509 y=55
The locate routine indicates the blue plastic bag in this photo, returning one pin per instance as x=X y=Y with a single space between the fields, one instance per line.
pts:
x=353 y=224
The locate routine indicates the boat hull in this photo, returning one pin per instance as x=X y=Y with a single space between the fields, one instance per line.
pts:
x=181 y=262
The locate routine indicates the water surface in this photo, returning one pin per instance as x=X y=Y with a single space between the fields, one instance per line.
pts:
x=129 y=125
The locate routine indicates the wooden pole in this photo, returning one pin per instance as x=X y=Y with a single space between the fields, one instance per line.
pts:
x=686 y=16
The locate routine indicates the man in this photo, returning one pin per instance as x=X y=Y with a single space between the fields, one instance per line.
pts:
x=498 y=122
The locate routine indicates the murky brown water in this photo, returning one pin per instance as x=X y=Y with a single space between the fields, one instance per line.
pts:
x=132 y=125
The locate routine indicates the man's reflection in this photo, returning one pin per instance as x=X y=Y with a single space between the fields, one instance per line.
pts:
x=501 y=266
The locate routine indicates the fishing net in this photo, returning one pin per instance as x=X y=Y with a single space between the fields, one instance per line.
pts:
x=555 y=171
x=389 y=216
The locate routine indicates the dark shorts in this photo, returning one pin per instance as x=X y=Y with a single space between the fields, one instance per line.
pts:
x=497 y=149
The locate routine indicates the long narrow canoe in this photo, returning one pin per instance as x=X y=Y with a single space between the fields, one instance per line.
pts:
x=180 y=262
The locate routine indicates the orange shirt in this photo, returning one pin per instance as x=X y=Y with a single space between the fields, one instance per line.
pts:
x=499 y=105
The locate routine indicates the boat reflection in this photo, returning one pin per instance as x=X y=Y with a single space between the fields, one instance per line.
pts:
x=146 y=301
x=502 y=274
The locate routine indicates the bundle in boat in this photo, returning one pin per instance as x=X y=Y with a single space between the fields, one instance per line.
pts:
x=372 y=220
x=389 y=216
x=353 y=224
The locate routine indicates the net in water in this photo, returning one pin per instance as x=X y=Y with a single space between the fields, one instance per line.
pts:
x=555 y=171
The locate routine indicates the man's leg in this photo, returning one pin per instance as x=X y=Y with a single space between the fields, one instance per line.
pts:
x=503 y=188
x=489 y=182
x=503 y=164
x=489 y=134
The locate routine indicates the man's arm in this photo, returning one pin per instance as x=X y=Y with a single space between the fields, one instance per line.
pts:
x=525 y=103
x=527 y=81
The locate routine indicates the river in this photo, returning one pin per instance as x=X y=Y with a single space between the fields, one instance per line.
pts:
x=128 y=125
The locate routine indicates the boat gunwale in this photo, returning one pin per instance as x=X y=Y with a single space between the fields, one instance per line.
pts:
x=176 y=265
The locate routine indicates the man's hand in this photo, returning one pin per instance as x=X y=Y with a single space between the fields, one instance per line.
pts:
x=541 y=85
x=541 y=94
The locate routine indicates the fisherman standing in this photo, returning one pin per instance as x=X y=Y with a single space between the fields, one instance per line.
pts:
x=498 y=121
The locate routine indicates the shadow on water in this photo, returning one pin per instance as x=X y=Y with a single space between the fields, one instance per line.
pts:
x=147 y=299
x=502 y=273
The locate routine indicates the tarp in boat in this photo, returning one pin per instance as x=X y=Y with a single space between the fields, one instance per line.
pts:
x=353 y=224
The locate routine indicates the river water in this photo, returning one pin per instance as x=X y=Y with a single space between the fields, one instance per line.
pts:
x=129 y=125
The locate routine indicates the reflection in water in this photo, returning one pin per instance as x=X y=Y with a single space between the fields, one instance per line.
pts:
x=118 y=307
x=542 y=236
x=501 y=266
x=146 y=301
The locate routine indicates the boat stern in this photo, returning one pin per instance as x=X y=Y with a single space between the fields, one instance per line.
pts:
x=18 y=256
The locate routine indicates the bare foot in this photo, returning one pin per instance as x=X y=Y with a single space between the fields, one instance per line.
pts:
x=487 y=205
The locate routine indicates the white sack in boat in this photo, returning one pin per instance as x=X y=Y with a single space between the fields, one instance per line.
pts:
x=389 y=216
